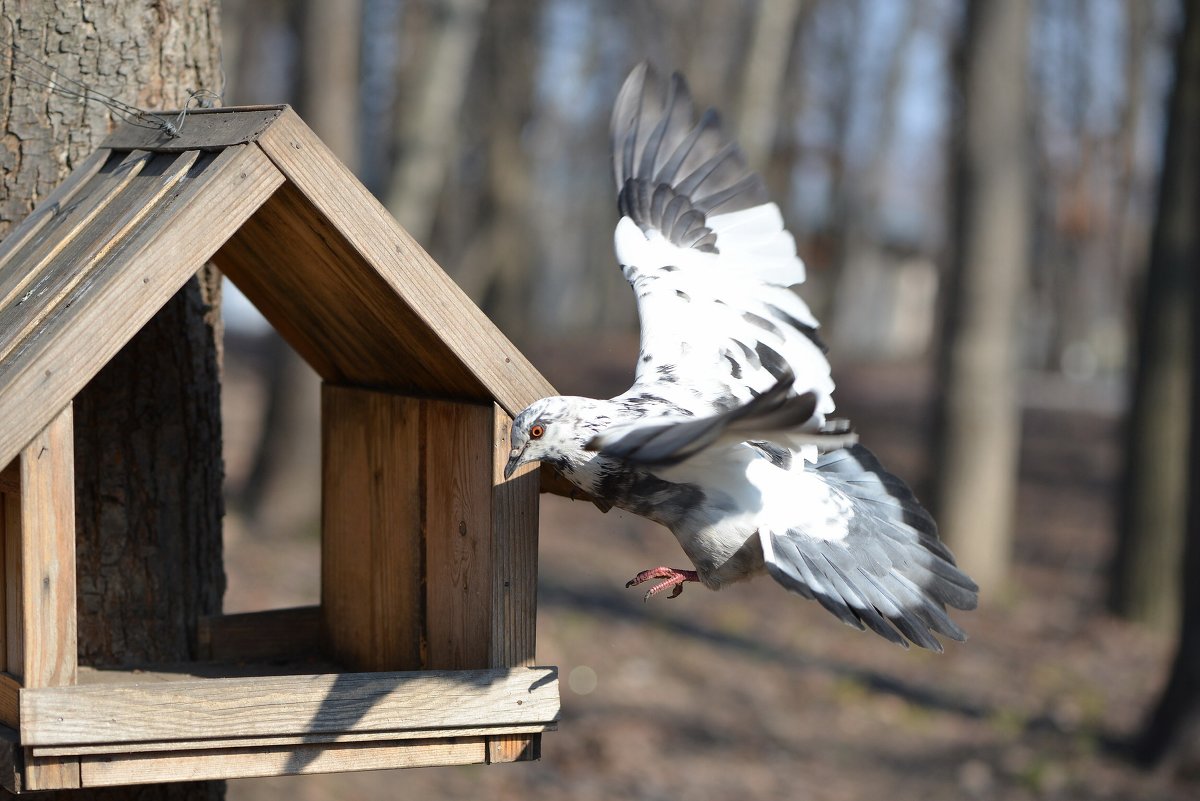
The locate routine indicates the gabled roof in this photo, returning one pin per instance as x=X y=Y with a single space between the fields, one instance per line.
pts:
x=256 y=192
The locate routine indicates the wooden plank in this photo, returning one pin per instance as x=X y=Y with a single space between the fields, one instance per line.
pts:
x=94 y=321
x=371 y=542
x=201 y=129
x=271 y=634
x=514 y=576
x=110 y=220
x=51 y=209
x=432 y=301
x=10 y=707
x=287 y=705
x=305 y=759
x=176 y=746
x=10 y=478
x=14 y=643
x=10 y=521
x=48 y=656
x=51 y=773
x=458 y=534
x=43 y=650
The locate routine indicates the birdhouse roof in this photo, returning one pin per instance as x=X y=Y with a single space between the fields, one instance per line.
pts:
x=256 y=192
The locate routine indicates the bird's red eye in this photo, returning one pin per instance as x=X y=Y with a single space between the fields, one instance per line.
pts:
x=536 y=431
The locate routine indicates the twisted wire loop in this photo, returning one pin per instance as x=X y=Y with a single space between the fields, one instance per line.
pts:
x=36 y=72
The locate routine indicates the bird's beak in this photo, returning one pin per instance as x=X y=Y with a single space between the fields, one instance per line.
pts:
x=514 y=461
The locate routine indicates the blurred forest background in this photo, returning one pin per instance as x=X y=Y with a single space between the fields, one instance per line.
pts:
x=998 y=202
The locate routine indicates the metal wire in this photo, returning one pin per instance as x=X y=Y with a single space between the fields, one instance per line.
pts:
x=39 y=73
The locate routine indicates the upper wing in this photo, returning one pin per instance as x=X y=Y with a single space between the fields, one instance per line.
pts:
x=773 y=416
x=709 y=259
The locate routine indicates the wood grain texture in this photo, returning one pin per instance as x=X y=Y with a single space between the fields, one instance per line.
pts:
x=371 y=542
x=305 y=759
x=269 y=635
x=111 y=219
x=176 y=746
x=14 y=640
x=287 y=705
x=51 y=209
x=49 y=234
x=10 y=478
x=48 y=655
x=514 y=576
x=472 y=349
x=51 y=773
x=203 y=129
x=458 y=534
x=91 y=323
x=10 y=705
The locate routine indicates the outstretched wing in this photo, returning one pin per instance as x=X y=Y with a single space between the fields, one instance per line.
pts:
x=775 y=416
x=708 y=257
x=872 y=556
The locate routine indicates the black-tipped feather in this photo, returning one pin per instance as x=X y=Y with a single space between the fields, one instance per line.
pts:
x=890 y=572
x=659 y=144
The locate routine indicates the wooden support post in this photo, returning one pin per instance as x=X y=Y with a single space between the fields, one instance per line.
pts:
x=514 y=577
x=429 y=556
x=371 y=535
x=39 y=577
x=458 y=534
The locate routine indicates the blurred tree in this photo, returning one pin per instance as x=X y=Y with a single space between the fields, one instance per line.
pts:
x=1172 y=729
x=1145 y=582
x=483 y=233
x=764 y=77
x=435 y=89
x=978 y=415
x=148 y=427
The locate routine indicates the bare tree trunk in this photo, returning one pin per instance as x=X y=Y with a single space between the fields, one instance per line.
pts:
x=1145 y=584
x=426 y=132
x=148 y=428
x=1171 y=730
x=332 y=46
x=979 y=417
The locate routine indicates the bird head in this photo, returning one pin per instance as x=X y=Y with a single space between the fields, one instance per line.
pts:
x=550 y=430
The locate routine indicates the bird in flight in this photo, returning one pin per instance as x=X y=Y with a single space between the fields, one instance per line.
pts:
x=725 y=436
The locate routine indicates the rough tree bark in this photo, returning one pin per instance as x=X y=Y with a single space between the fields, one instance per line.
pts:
x=148 y=441
x=1145 y=584
x=978 y=416
x=1171 y=730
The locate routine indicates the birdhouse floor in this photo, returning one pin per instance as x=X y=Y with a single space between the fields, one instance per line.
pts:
x=233 y=717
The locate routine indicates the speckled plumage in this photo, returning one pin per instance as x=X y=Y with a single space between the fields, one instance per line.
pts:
x=724 y=437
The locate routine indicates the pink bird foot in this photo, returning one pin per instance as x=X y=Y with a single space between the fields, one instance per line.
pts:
x=674 y=578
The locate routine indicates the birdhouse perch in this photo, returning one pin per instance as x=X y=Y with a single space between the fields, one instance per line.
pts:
x=420 y=651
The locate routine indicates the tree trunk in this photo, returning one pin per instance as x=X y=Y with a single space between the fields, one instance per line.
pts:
x=1155 y=494
x=978 y=416
x=1172 y=729
x=148 y=429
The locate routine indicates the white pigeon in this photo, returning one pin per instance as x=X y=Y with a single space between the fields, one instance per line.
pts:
x=724 y=437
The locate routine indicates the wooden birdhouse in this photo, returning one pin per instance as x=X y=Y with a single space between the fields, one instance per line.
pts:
x=425 y=630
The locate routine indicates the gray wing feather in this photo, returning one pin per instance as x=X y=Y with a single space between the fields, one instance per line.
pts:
x=890 y=573
x=672 y=168
x=670 y=440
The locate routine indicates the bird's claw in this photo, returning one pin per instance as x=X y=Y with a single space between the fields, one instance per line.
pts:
x=674 y=580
